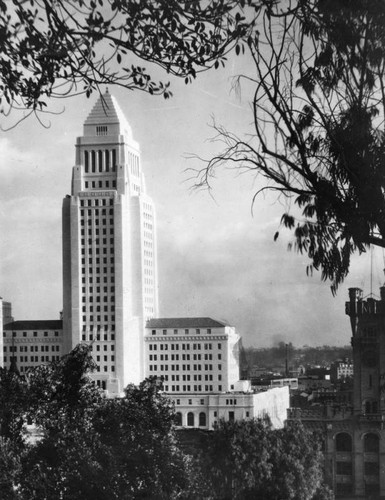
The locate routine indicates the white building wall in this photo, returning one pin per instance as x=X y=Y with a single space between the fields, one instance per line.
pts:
x=204 y=410
x=31 y=347
x=105 y=296
x=192 y=359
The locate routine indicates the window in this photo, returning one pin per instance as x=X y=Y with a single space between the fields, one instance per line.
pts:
x=190 y=419
x=343 y=442
x=231 y=416
x=371 y=443
x=202 y=419
x=371 y=468
x=101 y=130
x=344 y=468
x=178 y=418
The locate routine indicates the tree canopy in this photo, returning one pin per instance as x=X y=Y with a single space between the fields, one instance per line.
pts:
x=61 y=48
x=247 y=460
x=88 y=446
x=318 y=105
x=318 y=116
x=92 y=447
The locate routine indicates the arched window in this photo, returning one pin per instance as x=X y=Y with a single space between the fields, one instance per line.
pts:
x=107 y=157
x=371 y=443
x=202 y=419
x=86 y=161
x=190 y=419
x=100 y=160
x=93 y=161
x=178 y=418
x=343 y=442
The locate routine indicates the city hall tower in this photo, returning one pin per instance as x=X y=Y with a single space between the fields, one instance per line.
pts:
x=109 y=249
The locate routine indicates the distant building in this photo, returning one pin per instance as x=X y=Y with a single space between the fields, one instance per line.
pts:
x=7 y=312
x=32 y=343
x=341 y=370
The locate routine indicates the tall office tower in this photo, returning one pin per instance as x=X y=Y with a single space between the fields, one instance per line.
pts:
x=109 y=249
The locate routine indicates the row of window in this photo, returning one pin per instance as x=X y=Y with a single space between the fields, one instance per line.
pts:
x=346 y=468
x=184 y=357
x=98 y=318
x=32 y=348
x=105 y=368
x=98 y=298
x=106 y=347
x=189 y=388
x=99 y=329
x=100 y=184
x=187 y=377
x=96 y=202
x=344 y=442
x=32 y=359
x=99 y=308
x=105 y=359
x=98 y=289
x=96 y=232
x=28 y=334
x=183 y=367
x=97 y=279
x=97 y=270
x=91 y=337
x=184 y=347
x=101 y=160
x=176 y=331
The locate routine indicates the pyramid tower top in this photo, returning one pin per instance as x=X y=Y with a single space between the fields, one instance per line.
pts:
x=107 y=111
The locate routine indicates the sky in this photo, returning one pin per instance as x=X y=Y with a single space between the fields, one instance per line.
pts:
x=216 y=252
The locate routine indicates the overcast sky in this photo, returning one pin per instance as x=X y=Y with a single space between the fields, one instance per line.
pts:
x=216 y=258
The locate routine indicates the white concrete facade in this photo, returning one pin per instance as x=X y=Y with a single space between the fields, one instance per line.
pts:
x=32 y=343
x=109 y=249
x=192 y=355
x=204 y=410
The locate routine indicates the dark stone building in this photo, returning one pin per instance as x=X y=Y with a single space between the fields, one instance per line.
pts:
x=354 y=434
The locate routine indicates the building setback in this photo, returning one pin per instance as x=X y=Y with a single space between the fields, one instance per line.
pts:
x=109 y=249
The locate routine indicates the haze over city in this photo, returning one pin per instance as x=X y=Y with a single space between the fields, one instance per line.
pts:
x=216 y=252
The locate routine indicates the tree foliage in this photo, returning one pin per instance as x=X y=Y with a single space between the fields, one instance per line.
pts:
x=64 y=47
x=247 y=460
x=318 y=109
x=88 y=446
x=92 y=447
